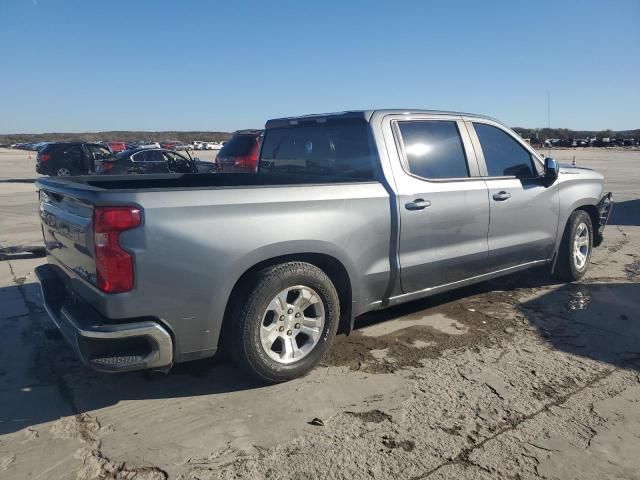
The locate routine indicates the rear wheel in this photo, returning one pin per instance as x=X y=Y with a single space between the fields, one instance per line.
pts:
x=285 y=323
x=65 y=172
x=574 y=255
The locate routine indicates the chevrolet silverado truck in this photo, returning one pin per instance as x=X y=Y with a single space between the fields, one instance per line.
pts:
x=347 y=213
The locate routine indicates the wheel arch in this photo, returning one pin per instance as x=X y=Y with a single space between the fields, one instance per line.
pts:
x=586 y=205
x=329 y=264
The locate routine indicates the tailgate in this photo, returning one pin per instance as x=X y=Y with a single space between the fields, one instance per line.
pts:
x=68 y=232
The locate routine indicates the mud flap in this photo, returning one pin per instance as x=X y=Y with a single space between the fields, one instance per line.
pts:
x=604 y=207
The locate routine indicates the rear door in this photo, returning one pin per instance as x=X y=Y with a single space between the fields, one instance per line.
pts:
x=523 y=209
x=74 y=158
x=444 y=209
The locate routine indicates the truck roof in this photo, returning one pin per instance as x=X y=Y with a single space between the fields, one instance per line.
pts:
x=363 y=114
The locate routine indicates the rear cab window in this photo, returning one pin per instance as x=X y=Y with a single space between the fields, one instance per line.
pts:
x=338 y=148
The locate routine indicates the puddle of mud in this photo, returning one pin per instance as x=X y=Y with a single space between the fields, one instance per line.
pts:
x=633 y=270
x=414 y=333
x=578 y=299
x=371 y=416
x=436 y=321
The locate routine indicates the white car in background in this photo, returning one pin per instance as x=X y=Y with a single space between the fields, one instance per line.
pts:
x=148 y=145
x=212 y=146
x=198 y=145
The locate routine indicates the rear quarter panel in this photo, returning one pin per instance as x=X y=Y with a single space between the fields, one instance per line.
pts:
x=195 y=244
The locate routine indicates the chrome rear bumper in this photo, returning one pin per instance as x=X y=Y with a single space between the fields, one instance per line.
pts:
x=104 y=345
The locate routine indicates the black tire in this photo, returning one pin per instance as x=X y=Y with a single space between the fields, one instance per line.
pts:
x=567 y=267
x=242 y=328
x=72 y=171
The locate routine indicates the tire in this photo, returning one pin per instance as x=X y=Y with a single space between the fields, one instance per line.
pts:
x=65 y=172
x=258 y=318
x=578 y=236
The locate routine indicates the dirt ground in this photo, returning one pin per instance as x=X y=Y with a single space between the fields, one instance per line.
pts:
x=520 y=377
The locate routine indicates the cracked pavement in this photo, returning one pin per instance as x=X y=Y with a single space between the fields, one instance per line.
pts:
x=521 y=377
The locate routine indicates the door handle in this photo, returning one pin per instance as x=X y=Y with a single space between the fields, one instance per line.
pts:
x=417 y=204
x=500 y=196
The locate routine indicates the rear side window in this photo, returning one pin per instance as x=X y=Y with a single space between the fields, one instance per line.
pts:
x=434 y=149
x=238 y=146
x=148 y=156
x=74 y=153
x=504 y=156
x=336 y=148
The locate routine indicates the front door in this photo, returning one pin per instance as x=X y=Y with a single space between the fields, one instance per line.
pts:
x=444 y=209
x=523 y=208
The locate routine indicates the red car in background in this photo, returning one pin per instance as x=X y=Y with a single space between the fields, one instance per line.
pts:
x=240 y=153
x=117 y=146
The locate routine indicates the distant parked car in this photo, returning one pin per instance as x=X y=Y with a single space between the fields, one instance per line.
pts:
x=175 y=145
x=240 y=153
x=117 y=147
x=64 y=159
x=144 y=144
x=152 y=160
x=40 y=145
x=212 y=146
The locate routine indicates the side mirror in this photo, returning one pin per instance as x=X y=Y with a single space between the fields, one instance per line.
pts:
x=551 y=169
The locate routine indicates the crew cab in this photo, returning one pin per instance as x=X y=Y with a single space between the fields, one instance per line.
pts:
x=347 y=213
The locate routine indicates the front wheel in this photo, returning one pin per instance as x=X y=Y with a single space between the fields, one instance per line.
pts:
x=574 y=255
x=287 y=319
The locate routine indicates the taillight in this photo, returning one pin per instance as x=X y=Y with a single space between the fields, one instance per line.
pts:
x=114 y=266
x=252 y=160
x=104 y=167
x=44 y=157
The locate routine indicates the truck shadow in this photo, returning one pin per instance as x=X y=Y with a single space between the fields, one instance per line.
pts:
x=598 y=321
x=41 y=380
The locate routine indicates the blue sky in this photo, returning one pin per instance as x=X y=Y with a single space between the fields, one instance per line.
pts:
x=88 y=65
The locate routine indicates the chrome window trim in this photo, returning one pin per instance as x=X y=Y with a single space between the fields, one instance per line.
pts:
x=467 y=149
x=482 y=164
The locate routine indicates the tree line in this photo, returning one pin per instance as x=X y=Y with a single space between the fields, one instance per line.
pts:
x=114 y=136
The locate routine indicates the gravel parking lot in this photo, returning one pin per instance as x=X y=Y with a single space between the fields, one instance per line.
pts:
x=520 y=377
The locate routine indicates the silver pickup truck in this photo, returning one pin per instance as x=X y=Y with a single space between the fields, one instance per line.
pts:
x=348 y=212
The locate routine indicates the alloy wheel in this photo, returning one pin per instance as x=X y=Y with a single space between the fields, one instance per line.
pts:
x=292 y=324
x=581 y=246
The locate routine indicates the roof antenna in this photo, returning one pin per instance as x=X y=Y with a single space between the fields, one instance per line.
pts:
x=549 y=119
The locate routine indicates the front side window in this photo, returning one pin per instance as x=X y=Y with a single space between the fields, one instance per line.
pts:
x=177 y=163
x=74 y=152
x=504 y=156
x=434 y=149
